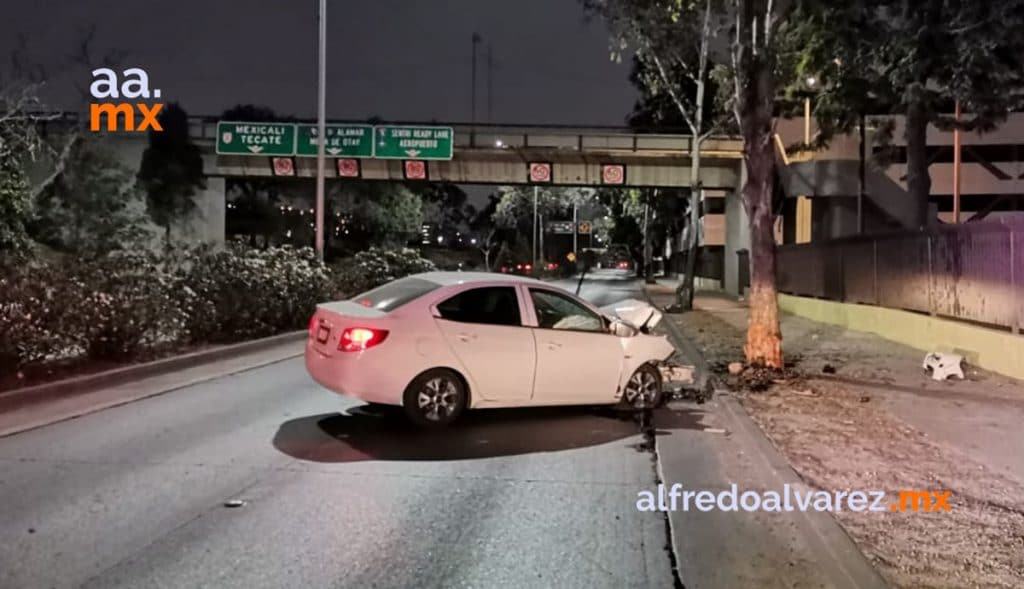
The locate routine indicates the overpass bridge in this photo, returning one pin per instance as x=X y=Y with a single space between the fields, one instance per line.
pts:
x=503 y=154
x=494 y=154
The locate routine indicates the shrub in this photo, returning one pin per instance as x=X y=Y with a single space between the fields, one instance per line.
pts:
x=32 y=306
x=239 y=293
x=124 y=304
x=376 y=266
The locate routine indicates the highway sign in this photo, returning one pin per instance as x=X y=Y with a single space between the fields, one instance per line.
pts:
x=560 y=227
x=571 y=256
x=585 y=227
x=540 y=172
x=342 y=141
x=613 y=174
x=413 y=143
x=271 y=139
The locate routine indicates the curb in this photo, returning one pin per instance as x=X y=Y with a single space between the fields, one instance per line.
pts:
x=692 y=353
x=91 y=382
x=837 y=552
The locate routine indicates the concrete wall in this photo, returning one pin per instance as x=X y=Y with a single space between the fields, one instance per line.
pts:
x=991 y=349
x=737 y=235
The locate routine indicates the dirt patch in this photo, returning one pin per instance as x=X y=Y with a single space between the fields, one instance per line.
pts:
x=839 y=436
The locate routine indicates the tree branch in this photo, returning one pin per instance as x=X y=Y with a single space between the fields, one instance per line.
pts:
x=60 y=163
x=673 y=94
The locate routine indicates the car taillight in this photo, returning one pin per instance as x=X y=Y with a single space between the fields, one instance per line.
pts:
x=312 y=326
x=528 y=267
x=357 y=339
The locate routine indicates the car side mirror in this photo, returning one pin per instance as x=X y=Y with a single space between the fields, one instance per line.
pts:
x=620 y=328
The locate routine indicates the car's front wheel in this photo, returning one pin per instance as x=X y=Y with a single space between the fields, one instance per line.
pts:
x=643 y=390
x=435 y=398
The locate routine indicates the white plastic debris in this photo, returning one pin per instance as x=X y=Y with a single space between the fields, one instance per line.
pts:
x=674 y=373
x=943 y=366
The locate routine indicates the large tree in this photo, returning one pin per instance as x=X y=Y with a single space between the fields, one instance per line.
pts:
x=171 y=171
x=379 y=213
x=92 y=206
x=673 y=44
x=912 y=58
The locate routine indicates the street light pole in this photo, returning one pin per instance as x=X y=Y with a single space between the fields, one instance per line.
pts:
x=575 y=228
x=321 y=130
x=956 y=166
x=536 y=189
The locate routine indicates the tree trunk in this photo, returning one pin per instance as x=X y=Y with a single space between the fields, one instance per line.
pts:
x=686 y=290
x=919 y=183
x=755 y=93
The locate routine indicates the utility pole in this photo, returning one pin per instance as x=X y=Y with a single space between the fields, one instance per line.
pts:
x=956 y=166
x=476 y=41
x=321 y=124
x=575 y=229
x=862 y=176
x=490 y=84
x=536 y=189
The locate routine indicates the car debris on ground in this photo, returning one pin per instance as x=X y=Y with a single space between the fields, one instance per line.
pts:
x=942 y=365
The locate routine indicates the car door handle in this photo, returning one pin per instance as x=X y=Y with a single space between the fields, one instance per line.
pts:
x=465 y=337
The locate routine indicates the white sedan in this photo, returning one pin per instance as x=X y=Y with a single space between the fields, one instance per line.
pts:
x=439 y=343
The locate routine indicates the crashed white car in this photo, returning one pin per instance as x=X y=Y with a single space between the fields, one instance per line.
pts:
x=440 y=343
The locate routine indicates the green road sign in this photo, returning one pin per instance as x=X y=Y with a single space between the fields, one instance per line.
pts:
x=255 y=138
x=342 y=141
x=413 y=143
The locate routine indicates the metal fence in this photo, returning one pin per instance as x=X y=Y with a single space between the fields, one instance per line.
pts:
x=970 y=271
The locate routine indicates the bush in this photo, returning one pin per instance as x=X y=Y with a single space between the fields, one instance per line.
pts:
x=32 y=306
x=376 y=266
x=125 y=304
x=239 y=293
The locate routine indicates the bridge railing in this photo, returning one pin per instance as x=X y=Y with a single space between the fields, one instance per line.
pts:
x=488 y=136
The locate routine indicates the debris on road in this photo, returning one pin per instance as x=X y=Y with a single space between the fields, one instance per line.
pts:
x=234 y=503
x=828 y=369
x=942 y=365
x=676 y=373
x=735 y=368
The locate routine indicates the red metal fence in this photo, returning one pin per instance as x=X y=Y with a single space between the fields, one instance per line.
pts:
x=970 y=271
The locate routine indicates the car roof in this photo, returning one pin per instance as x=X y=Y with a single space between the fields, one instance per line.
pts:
x=452 y=278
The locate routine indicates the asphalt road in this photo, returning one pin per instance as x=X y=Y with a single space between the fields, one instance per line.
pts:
x=331 y=495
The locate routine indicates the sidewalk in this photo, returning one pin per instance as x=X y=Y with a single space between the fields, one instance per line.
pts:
x=863 y=415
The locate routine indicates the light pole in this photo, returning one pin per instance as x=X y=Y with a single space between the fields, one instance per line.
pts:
x=321 y=125
x=803 y=203
x=476 y=41
x=956 y=166
x=536 y=189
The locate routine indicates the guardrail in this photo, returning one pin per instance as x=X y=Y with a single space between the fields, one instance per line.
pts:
x=970 y=271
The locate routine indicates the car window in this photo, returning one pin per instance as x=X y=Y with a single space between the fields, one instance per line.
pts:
x=495 y=305
x=394 y=294
x=555 y=311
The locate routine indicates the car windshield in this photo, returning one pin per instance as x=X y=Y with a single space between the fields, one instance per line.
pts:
x=393 y=295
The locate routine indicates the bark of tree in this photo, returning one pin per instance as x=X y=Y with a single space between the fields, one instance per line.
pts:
x=755 y=93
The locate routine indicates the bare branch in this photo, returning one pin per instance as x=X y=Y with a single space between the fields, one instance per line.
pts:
x=60 y=163
x=673 y=94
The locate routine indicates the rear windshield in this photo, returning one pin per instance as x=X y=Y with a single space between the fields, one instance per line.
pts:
x=393 y=295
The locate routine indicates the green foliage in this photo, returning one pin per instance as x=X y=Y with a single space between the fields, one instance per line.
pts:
x=240 y=293
x=171 y=169
x=92 y=206
x=376 y=266
x=14 y=201
x=126 y=305
x=382 y=214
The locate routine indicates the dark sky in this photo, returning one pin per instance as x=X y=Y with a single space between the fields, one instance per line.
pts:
x=399 y=59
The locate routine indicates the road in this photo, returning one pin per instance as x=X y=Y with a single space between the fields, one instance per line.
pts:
x=328 y=493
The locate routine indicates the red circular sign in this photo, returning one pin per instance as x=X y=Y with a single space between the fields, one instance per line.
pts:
x=540 y=172
x=283 y=166
x=348 y=168
x=415 y=170
x=613 y=174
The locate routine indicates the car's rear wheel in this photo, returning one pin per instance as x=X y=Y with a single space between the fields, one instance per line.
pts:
x=643 y=389
x=435 y=398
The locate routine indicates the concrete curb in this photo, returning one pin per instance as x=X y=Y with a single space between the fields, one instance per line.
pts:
x=91 y=382
x=692 y=353
x=834 y=550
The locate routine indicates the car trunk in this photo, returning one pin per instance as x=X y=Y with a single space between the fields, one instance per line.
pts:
x=331 y=319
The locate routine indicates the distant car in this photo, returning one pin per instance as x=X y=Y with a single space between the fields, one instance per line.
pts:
x=523 y=268
x=440 y=343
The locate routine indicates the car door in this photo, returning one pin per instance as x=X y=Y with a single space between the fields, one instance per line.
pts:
x=578 y=361
x=484 y=328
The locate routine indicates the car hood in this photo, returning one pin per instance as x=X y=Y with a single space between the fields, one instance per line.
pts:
x=635 y=312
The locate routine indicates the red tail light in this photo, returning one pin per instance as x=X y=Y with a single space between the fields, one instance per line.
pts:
x=312 y=326
x=357 y=339
x=528 y=267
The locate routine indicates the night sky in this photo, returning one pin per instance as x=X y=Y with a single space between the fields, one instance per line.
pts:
x=398 y=59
